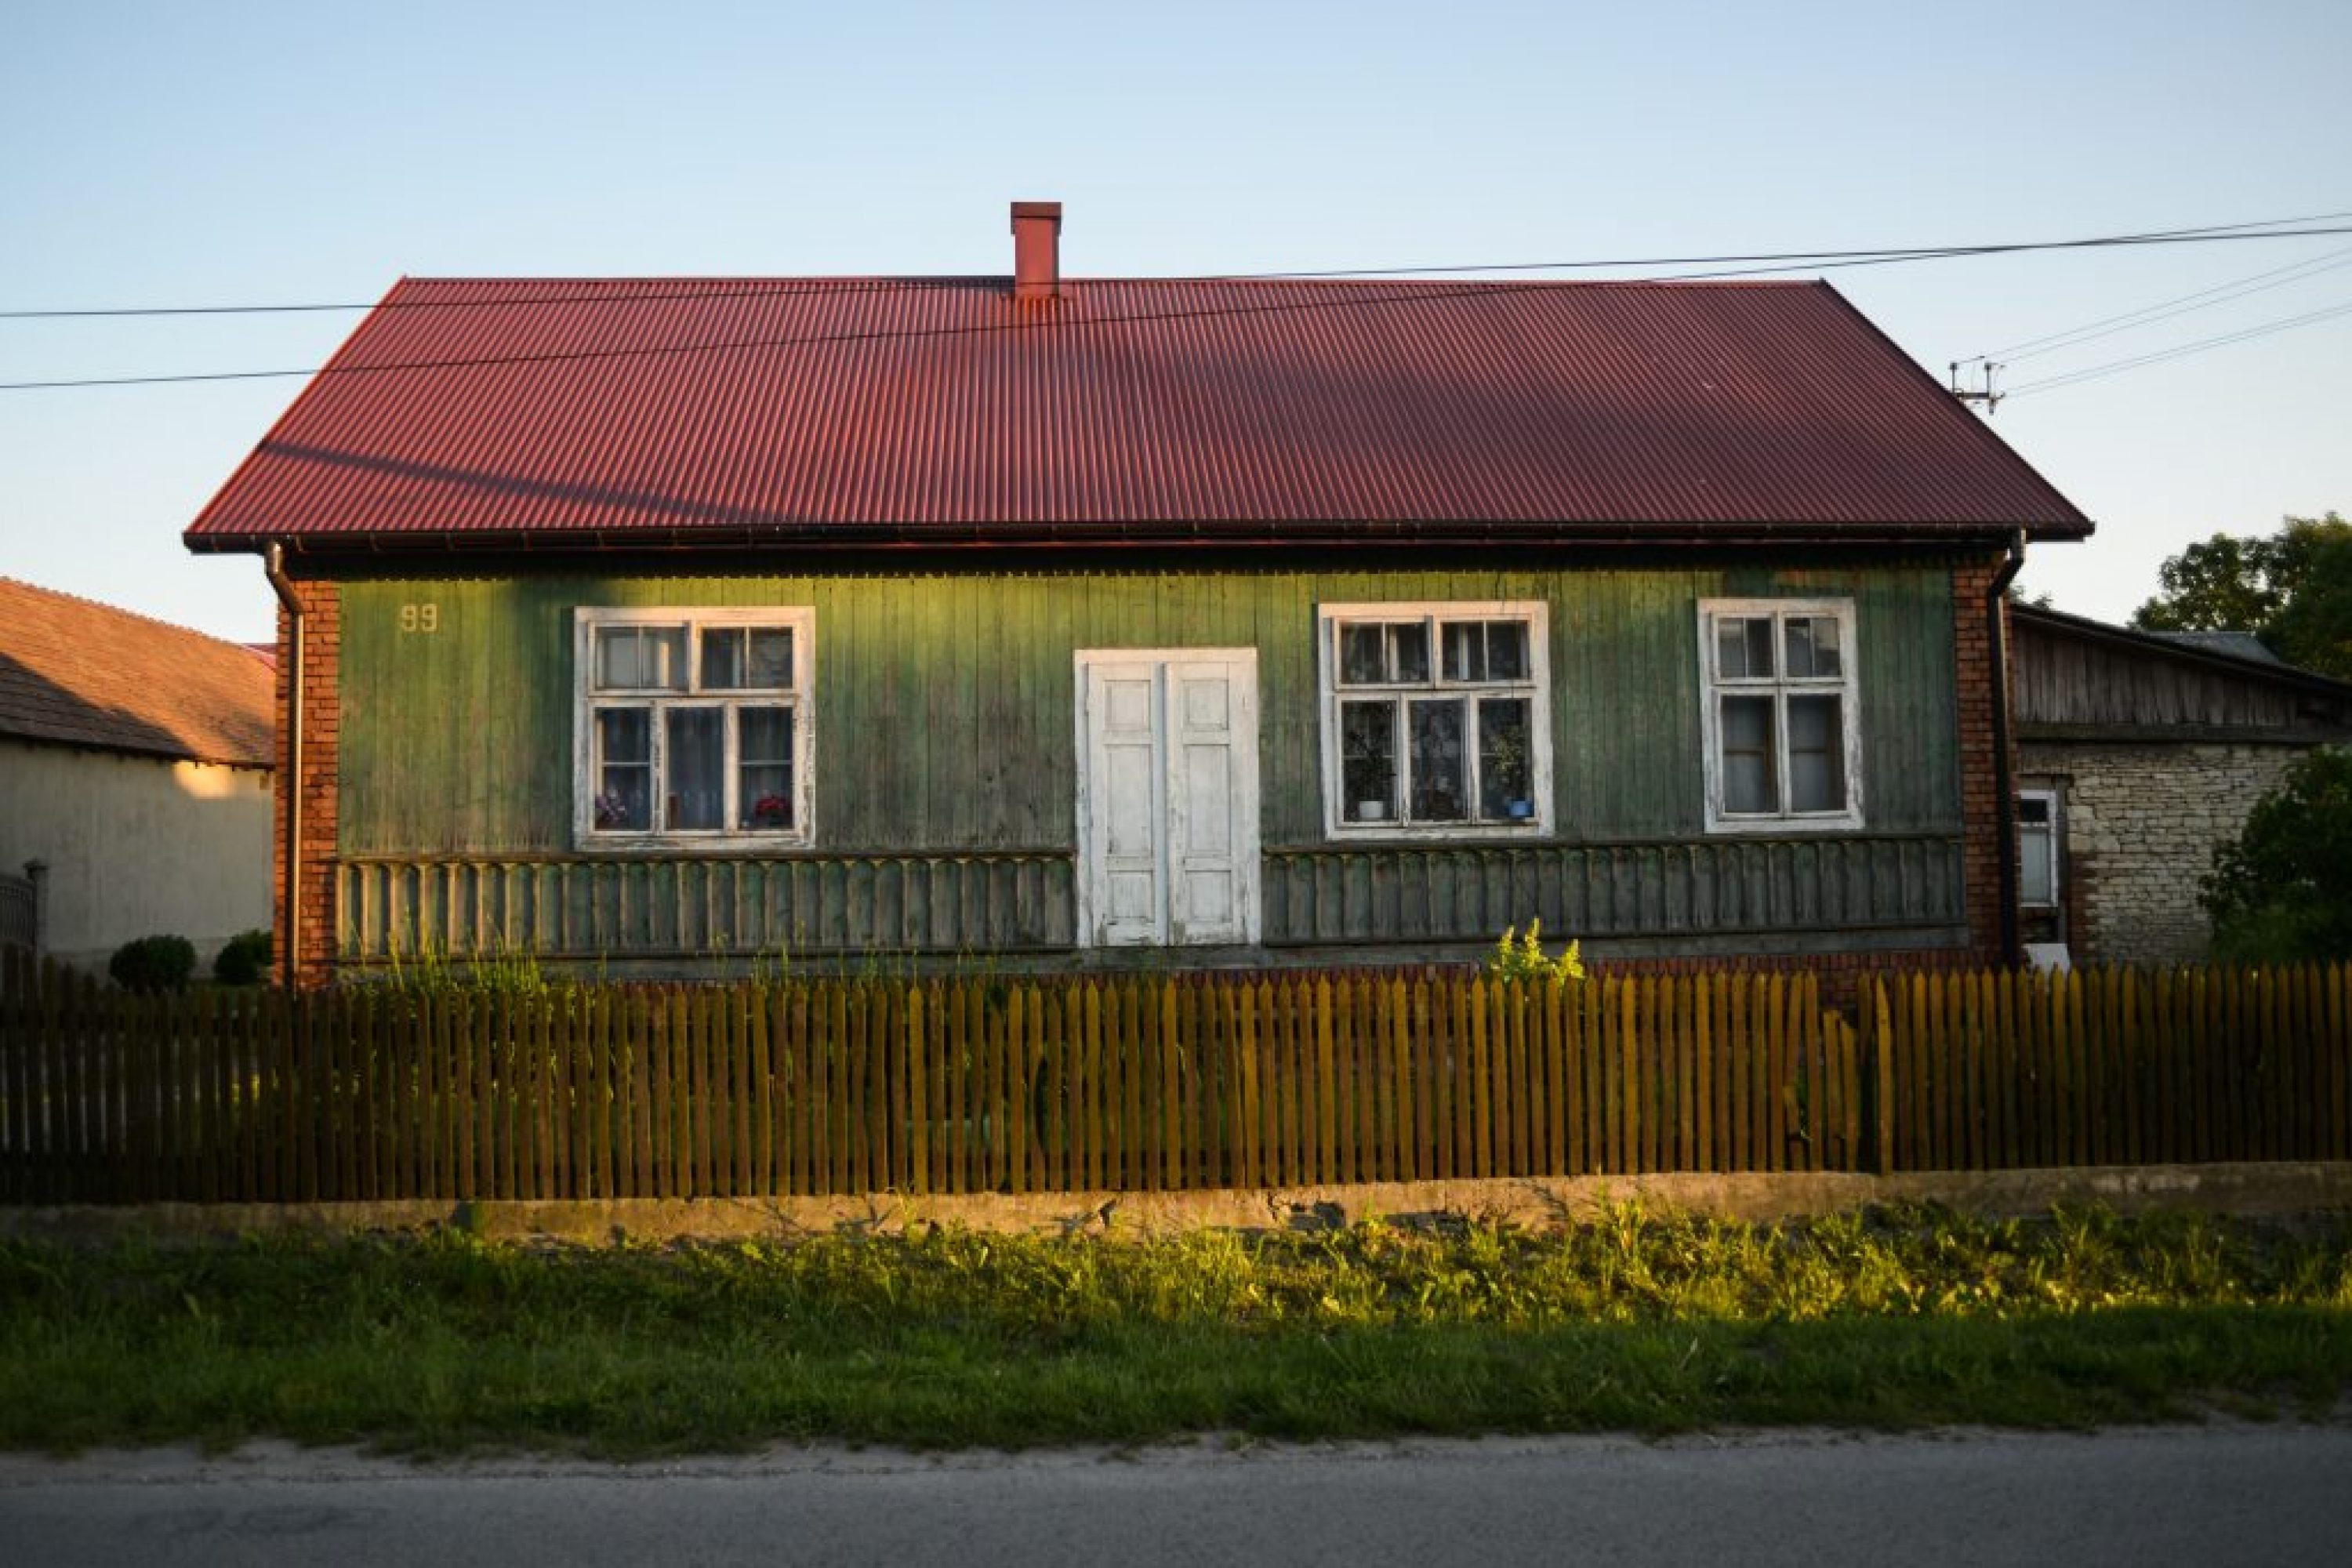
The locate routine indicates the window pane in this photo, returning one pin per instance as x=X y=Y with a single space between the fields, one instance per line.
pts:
x=625 y=735
x=766 y=792
x=1367 y=761
x=1409 y=653
x=624 y=770
x=1813 y=648
x=641 y=658
x=765 y=734
x=1363 y=656
x=625 y=799
x=693 y=796
x=1743 y=647
x=1465 y=649
x=1749 y=784
x=2036 y=876
x=1506 y=773
x=763 y=787
x=722 y=659
x=1507 y=650
x=1437 y=772
x=772 y=660
x=616 y=657
x=1816 y=753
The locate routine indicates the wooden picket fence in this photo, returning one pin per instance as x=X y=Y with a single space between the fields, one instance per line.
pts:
x=1992 y=1071
x=993 y=1084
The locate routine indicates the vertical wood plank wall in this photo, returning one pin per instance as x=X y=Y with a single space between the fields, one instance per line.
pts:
x=945 y=776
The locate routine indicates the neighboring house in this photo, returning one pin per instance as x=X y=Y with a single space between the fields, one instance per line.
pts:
x=135 y=764
x=2137 y=752
x=655 y=620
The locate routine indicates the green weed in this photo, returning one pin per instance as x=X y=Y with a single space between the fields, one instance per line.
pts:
x=1636 y=1320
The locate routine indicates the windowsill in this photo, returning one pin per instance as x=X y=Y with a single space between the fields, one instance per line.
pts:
x=617 y=844
x=1785 y=826
x=1443 y=832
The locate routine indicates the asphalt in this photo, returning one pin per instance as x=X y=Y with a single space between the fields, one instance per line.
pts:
x=2223 y=1493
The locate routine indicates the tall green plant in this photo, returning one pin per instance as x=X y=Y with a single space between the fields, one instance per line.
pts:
x=1517 y=957
x=2282 y=890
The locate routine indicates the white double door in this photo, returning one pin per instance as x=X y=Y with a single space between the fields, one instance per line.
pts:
x=1168 y=844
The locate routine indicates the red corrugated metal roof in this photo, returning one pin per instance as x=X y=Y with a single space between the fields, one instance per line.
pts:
x=617 y=410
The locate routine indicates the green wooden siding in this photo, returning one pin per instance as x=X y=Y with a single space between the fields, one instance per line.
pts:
x=1717 y=888
x=944 y=726
x=579 y=908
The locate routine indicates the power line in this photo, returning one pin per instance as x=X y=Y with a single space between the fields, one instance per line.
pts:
x=1418 y=296
x=2165 y=310
x=2180 y=351
x=2264 y=228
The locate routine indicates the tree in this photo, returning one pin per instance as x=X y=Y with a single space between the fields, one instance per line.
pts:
x=2293 y=590
x=2282 y=890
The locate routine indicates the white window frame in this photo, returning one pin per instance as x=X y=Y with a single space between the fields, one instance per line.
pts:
x=1536 y=688
x=2052 y=838
x=693 y=620
x=1714 y=686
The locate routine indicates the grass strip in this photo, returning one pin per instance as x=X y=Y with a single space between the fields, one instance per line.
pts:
x=445 y=1343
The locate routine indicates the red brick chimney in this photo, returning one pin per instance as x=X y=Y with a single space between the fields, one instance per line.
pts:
x=1037 y=250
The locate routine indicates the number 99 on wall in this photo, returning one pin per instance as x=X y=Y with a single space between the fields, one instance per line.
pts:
x=420 y=618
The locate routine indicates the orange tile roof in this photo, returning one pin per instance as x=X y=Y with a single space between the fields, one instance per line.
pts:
x=82 y=674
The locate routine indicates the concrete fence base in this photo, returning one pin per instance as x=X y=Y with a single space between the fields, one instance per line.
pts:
x=1535 y=1202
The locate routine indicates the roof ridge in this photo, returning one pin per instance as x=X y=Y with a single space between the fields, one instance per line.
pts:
x=130 y=615
x=948 y=279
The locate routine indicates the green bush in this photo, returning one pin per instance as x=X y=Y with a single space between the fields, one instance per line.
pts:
x=245 y=961
x=2281 y=891
x=153 y=964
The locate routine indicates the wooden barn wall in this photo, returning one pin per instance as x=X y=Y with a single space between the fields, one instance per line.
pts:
x=945 y=773
x=2069 y=682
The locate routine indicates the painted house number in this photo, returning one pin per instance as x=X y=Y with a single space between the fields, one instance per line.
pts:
x=420 y=618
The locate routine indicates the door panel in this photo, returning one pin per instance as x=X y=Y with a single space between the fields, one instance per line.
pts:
x=1168 y=797
x=1121 y=782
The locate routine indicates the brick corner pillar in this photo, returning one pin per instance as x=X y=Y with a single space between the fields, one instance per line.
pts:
x=317 y=788
x=1981 y=817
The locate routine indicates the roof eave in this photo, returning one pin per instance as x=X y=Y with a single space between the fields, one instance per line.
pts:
x=1115 y=535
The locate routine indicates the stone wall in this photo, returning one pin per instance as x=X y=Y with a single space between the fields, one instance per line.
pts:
x=2139 y=823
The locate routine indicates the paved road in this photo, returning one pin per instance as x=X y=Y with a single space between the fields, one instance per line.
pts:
x=2221 y=1495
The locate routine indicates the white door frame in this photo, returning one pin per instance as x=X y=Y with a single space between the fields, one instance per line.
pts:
x=1169 y=830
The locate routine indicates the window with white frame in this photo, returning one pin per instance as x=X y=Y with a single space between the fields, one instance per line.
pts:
x=693 y=726
x=1780 y=721
x=2037 y=848
x=1434 y=718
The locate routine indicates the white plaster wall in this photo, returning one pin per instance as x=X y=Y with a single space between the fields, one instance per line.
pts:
x=136 y=847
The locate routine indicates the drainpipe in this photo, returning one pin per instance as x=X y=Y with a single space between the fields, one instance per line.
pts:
x=2004 y=810
x=273 y=566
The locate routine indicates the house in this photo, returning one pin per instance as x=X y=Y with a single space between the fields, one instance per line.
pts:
x=644 y=621
x=2137 y=752
x=136 y=762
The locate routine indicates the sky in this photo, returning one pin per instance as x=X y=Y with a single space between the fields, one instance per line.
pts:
x=270 y=154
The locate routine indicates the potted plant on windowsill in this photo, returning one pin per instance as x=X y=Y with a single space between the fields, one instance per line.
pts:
x=771 y=811
x=1508 y=759
x=1367 y=767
